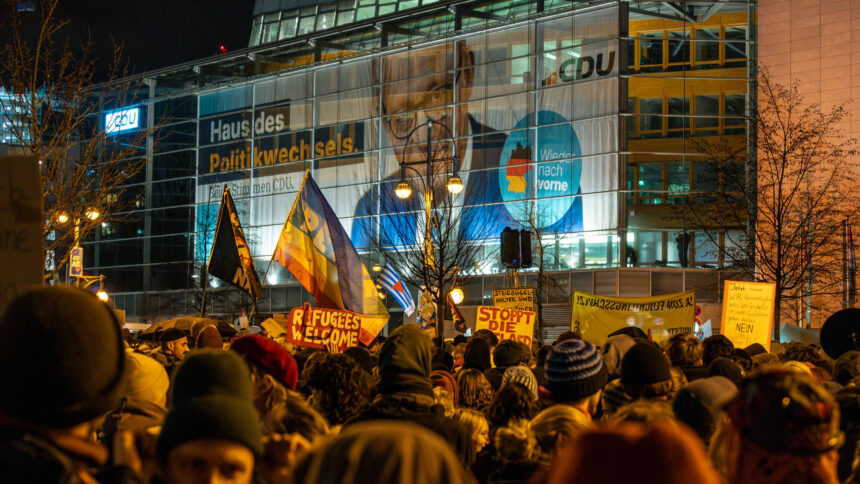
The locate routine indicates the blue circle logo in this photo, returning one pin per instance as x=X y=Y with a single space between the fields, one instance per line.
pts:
x=543 y=163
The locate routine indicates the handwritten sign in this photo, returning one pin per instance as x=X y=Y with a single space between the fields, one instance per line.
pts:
x=748 y=313
x=521 y=298
x=507 y=323
x=323 y=328
x=20 y=227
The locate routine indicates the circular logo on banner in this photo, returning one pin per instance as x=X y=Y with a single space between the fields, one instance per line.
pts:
x=544 y=163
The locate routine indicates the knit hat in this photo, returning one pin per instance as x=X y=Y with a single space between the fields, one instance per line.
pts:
x=786 y=411
x=574 y=370
x=361 y=356
x=407 y=350
x=699 y=403
x=613 y=351
x=477 y=355
x=270 y=356
x=209 y=337
x=146 y=379
x=727 y=368
x=447 y=381
x=522 y=375
x=211 y=399
x=644 y=364
x=507 y=353
x=61 y=357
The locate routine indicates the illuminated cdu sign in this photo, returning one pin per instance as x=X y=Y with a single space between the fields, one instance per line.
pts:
x=122 y=120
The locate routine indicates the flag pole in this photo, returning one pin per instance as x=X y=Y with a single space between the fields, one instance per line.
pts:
x=205 y=281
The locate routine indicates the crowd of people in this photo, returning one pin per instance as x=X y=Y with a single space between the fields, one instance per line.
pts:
x=81 y=401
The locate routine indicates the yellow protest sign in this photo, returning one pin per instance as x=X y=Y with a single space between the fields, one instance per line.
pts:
x=748 y=313
x=522 y=298
x=595 y=317
x=507 y=323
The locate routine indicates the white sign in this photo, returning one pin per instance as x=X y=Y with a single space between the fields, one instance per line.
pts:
x=122 y=120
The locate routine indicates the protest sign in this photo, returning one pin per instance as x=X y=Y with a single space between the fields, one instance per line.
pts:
x=323 y=328
x=748 y=312
x=595 y=317
x=20 y=227
x=520 y=298
x=507 y=323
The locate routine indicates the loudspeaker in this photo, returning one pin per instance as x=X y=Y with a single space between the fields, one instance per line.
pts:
x=526 y=248
x=510 y=249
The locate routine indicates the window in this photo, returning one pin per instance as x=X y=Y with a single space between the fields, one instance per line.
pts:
x=651 y=52
x=677 y=180
x=735 y=106
x=679 y=49
x=707 y=105
x=325 y=17
x=707 y=181
x=650 y=126
x=288 y=24
x=679 y=108
x=736 y=47
x=707 y=45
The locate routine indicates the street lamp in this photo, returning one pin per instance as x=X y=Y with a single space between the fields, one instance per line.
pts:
x=457 y=295
x=76 y=256
x=454 y=186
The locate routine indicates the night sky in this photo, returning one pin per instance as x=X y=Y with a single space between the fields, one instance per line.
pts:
x=156 y=33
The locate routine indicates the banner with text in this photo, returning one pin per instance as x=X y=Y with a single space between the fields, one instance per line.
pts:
x=313 y=327
x=748 y=312
x=507 y=323
x=595 y=317
x=21 y=220
x=522 y=298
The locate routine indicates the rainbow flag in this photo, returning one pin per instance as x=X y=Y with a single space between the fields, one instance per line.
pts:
x=316 y=249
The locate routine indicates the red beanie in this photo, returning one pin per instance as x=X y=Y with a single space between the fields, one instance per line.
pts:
x=270 y=356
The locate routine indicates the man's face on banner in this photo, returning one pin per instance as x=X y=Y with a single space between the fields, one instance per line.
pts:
x=419 y=86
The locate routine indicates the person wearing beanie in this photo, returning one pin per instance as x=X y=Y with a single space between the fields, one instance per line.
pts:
x=209 y=337
x=665 y=453
x=645 y=372
x=405 y=391
x=782 y=427
x=212 y=428
x=716 y=346
x=477 y=355
x=144 y=402
x=726 y=368
x=505 y=355
x=62 y=365
x=523 y=376
x=174 y=347
x=443 y=360
x=699 y=404
x=575 y=375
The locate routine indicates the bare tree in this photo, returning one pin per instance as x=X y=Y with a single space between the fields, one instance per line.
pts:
x=790 y=203
x=50 y=108
x=439 y=255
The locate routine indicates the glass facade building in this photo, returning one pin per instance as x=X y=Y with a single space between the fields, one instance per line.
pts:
x=579 y=119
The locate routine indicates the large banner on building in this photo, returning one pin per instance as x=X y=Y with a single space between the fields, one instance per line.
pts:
x=595 y=317
x=531 y=113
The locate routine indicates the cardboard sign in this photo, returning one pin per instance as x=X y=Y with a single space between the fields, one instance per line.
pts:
x=521 y=298
x=20 y=227
x=507 y=323
x=748 y=313
x=323 y=328
x=595 y=317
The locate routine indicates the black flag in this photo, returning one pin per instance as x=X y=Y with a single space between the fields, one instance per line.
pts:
x=230 y=259
x=456 y=315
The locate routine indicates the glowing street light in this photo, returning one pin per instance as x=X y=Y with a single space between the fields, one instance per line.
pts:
x=457 y=295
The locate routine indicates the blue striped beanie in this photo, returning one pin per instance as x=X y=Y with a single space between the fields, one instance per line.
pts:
x=522 y=375
x=574 y=370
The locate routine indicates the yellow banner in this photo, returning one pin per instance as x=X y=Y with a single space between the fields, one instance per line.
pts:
x=595 y=317
x=748 y=313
